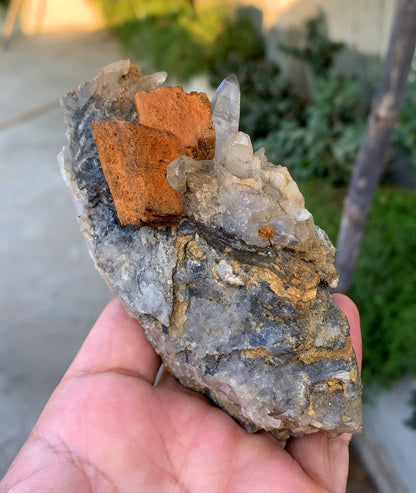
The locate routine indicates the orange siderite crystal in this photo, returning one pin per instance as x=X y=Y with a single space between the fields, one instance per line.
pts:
x=188 y=116
x=134 y=155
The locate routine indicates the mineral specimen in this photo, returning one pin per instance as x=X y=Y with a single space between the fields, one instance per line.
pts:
x=235 y=296
x=134 y=160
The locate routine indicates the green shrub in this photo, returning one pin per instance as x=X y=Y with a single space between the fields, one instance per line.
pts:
x=150 y=41
x=317 y=136
x=319 y=52
x=238 y=40
x=340 y=111
x=172 y=37
x=180 y=38
x=384 y=286
x=325 y=203
x=323 y=141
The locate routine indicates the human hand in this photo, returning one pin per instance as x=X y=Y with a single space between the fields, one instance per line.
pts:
x=106 y=428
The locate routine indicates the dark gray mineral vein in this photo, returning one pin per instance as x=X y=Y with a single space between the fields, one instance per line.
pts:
x=249 y=323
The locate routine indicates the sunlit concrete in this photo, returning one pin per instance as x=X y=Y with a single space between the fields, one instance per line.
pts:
x=50 y=293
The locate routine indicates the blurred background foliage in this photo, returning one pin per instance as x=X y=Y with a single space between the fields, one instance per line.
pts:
x=175 y=36
x=316 y=135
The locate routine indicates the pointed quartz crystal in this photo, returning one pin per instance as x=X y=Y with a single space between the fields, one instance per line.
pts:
x=225 y=108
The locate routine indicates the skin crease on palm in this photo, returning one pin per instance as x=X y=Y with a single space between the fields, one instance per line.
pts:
x=106 y=428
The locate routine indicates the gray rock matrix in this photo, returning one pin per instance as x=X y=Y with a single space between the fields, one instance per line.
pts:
x=242 y=317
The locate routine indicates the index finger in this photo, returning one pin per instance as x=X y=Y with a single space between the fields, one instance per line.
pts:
x=353 y=316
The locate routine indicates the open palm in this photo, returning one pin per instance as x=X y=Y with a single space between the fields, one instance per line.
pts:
x=106 y=428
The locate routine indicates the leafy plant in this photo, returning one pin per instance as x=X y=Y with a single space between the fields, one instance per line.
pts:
x=319 y=51
x=317 y=136
x=150 y=41
x=324 y=201
x=384 y=286
x=238 y=43
x=324 y=139
x=171 y=37
x=179 y=37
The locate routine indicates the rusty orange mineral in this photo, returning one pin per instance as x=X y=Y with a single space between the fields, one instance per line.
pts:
x=134 y=155
x=188 y=116
x=267 y=232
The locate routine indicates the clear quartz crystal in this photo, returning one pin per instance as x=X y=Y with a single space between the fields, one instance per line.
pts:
x=256 y=194
x=121 y=66
x=240 y=190
x=225 y=109
x=239 y=158
x=179 y=168
x=176 y=174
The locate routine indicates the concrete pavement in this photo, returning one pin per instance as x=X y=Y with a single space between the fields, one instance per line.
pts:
x=50 y=293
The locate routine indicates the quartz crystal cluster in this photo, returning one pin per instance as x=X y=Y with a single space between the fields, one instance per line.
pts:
x=233 y=291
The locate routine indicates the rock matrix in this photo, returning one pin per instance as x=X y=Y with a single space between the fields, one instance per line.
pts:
x=233 y=296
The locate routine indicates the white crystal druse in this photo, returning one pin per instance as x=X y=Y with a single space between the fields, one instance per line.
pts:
x=244 y=193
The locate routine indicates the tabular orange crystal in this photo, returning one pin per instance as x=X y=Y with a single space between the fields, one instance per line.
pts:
x=134 y=155
x=188 y=116
x=134 y=160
